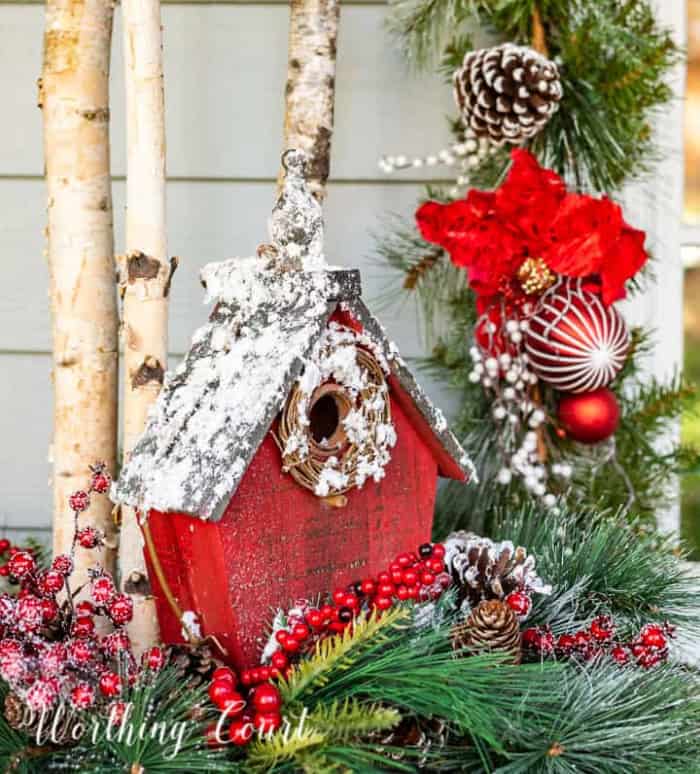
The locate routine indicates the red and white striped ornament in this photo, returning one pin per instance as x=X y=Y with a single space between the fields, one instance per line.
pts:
x=574 y=342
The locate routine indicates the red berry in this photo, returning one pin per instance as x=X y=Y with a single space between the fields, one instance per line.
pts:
x=62 y=564
x=121 y=609
x=79 y=501
x=410 y=577
x=117 y=711
x=653 y=636
x=82 y=696
x=279 y=660
x=220 y=692
x=224 y=674
x=110 y=684
x=385 y=590
x=384 y=577
x=314 y=619
x=4 y=571
x=282 y=636
x=81 y=651
x=300 y=631
x=49 y=610
x=339 y=596
x=403 y=560
x=427 y=578
x=21 y=564
x=327 y=612
x=435 y=565
x=30 y=614
x=255 y=675
x=246 y=677
x=291 y=645
x=396 y=576
x=240 y=732
x=519 y=602
x=602 y=628
x=84 y=608
x=582 y=639
x=267 y=698
x=83 y=627
x=115 y=643
x=89 y=537
x=368 y=586
x=4 y=545
x=565 y=644
x=413 y=592
x=154 y=659
x=402 y=593
x=211 y=734
x=267 y=722
x=425 y=550
x=102 y=589
x=382 y=603
x=620 y=654
x=100 y=482
x=50 y=582
x=352 y=601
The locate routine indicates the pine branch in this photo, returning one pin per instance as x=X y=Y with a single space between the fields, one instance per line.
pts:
x=339 y=653
x=344 y=720
x=270 y=754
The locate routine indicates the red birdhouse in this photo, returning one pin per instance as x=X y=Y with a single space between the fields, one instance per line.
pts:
x=290 y=453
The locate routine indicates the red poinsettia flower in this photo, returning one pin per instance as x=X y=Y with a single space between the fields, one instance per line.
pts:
x=532 y=215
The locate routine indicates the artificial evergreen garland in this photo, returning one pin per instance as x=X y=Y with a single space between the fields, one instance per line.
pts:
x=612 y=59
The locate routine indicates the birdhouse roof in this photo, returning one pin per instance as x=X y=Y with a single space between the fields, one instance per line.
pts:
x=218 y=405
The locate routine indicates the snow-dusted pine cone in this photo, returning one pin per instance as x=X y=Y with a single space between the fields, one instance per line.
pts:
x=490 y=628
x=506 y=93
x=15 y=712
x=482 y=569
x=423 y=735
x=196 y=661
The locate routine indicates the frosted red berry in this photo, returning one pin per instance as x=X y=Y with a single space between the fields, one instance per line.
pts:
x=121 y=609
x=83 y=627
x=82 y=696
x=102 y=589
x=21 y=564
x=110 y=684
x=79 y=501
x=89 y=537
x=62 y=564
x=101 y=481
x=50 y=582
x=520 y=603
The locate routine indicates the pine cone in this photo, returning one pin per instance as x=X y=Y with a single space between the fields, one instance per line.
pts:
x=482 y=569
x=490 y=628
x=506 y=93
x=196 y=661
x=418 y=733
x=16 y=712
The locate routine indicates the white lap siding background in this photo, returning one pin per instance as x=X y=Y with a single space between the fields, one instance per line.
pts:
x=225 y=68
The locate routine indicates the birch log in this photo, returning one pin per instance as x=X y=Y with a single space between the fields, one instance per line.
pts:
x=310 y=91
x=144 y=277
x=74 y=97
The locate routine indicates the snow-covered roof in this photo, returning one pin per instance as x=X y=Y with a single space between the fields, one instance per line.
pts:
x=217 y=406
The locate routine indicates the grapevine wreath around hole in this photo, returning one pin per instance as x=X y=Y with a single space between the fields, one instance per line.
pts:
x=335 y=431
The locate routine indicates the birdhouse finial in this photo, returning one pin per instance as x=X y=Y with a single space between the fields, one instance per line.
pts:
x=296 y=224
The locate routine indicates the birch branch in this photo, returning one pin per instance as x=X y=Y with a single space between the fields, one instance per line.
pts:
x=310 y=91
x=74 y=98
x=144 y=277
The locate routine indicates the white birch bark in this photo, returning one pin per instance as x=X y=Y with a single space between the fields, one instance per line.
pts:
x=310 y=91
x=144 y=277
x=74 y=97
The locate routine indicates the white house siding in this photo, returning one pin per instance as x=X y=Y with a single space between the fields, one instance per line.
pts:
x=225 y=67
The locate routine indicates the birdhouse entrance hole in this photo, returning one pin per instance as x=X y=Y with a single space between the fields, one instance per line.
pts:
x=329 y=407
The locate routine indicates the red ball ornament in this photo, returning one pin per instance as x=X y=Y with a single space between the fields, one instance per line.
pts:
x=591 y=417
x=574 y=342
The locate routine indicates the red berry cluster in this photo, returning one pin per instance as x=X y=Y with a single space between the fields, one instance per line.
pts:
x=417 y=576
x=50 y=650
x=648 y=649
x=250 y=709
